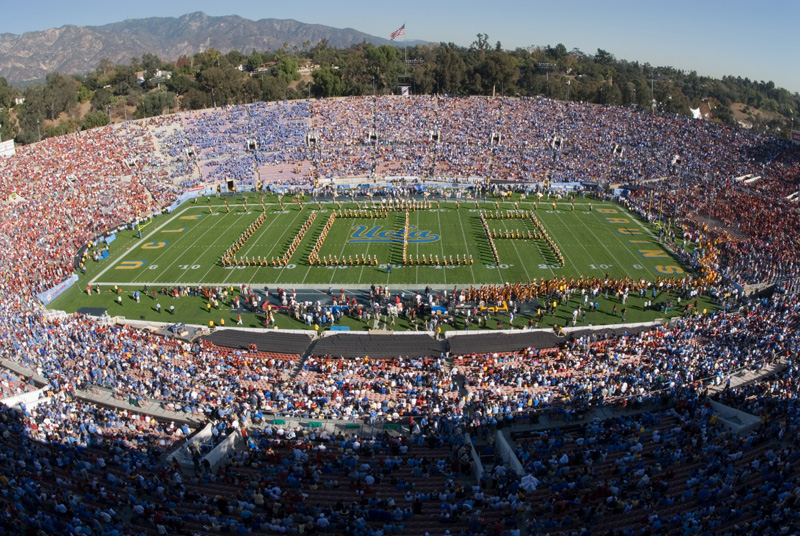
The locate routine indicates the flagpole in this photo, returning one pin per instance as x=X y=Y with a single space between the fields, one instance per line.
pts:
x=405 y=50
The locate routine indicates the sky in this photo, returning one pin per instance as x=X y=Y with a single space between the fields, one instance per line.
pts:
x=757 y=40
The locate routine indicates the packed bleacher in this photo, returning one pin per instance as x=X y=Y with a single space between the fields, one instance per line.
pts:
x=632 y=446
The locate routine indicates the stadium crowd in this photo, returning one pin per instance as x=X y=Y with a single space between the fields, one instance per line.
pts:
x=71 y=466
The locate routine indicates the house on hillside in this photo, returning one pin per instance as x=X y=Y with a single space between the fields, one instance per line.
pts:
x=308 y=67
x=158 y=75
x=265 y=67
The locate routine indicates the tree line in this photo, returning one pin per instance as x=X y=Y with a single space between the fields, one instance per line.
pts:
x=58 y=105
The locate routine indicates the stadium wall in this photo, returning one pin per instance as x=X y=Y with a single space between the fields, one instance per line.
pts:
x=227 y=446
x=734 y=420
x=507 y=453
x=31 y=399
x=54 y=292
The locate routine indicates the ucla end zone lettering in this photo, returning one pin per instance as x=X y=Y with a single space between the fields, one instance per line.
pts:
x=363 y=234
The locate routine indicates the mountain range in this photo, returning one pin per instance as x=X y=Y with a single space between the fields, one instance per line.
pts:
x=78 y=49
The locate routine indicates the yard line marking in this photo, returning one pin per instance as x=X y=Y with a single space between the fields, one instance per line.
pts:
x=441 y=243
x=297 y=286
x=602 y=243
x=288 y=227
x=363 y=266
x=341 y=255
x=125 y=253
x=521 y=260
x=176 y=261
x=214 y=261
x=655 y=243
x=263 y=232
x=466 y=244
x=560 y=248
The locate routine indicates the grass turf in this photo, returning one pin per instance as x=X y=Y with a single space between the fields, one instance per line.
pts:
x=185 y=248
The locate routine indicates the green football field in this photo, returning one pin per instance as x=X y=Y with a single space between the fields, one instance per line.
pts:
x=187 y=246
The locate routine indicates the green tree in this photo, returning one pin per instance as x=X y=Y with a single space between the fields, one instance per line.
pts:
x=450 y=69
x=609 y=94
x=124 y=80
x=235 y=58
x=60 y=91
x=273 y=88
x=498 y=72
x=95 y=119
x=643 y=97
x=196 y=99
x=423 y=78
x=250 y=90
x=179 y=83
x=287 y=68
x=104 y=68
x=354 y=72
x=383 y=65
x=670 y=99
x=7 y=94
x=254 y=61
x=208 y=58
x=31 y=115
x=84 y=94
x=481 y=42
x=154 y=103
x=224 y=84
x=556 y=53
x=150 y=63
x=530 y=81
x=327 y=83
x=323 y=54
x=604 y=58
x=8 y=125
x=723 y=113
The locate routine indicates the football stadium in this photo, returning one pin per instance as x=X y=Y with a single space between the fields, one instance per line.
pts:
x=401 y=315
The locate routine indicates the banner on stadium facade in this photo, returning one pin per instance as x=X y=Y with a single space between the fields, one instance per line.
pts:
x=190 y=193
x=52 y=293
x=565 y=186
x=796 y=137
x=7 y=149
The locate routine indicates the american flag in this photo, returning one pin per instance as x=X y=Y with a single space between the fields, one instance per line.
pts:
x=398 y=32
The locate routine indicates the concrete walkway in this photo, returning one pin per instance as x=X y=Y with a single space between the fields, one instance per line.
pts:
x=745 y=377
x=20 y=370
x=548 y=421
x=105 y=397
x=154 y=408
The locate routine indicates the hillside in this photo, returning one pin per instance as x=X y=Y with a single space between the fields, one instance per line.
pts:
x=78 y=49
